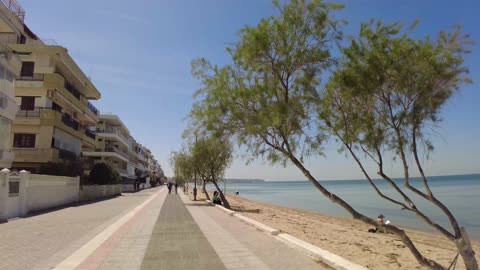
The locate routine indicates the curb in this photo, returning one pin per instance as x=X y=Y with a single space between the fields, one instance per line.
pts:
x=325 y=256
x=228 y=211
x=209 y=202
x=329 y=258
x=258 y=225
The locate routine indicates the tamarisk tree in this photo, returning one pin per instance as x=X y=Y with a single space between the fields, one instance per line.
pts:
x=271 y=99
x=383 y=101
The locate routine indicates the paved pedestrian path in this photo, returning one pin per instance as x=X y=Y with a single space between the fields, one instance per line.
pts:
x=42 y=241
x=146 y=230
x=177 y=242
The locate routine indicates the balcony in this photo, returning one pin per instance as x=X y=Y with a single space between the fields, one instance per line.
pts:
x=37 y=77
x=90 y=134
x=114 y=133
x=35 y=154
x=92 y=108
x=35 y=113
x=106 y=153
x=69 y=122
x=118 y=151
x=70 y=88
x=42 y=155
x=49 y=116
x=15 y=8
x=89 y=137
x=64 y=90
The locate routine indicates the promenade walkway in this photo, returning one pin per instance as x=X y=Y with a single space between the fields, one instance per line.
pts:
x=146 y=230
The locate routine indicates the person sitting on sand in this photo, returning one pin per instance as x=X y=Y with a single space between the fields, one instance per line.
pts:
x=380 y=223
x=216 y=199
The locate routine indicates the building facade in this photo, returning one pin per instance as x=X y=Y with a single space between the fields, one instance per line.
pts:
x=11 y=27
x=114 y=146
x=56 y=119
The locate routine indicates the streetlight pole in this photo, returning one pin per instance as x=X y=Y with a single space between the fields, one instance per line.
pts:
x=195 y=173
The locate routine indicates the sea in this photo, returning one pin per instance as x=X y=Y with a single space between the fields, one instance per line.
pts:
x=460 y=193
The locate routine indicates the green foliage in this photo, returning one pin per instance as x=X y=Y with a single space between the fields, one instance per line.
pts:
x=69 y=168
x=208 y=157
x=103 y=174
x=183 y=166
x=265 y=97
x=390 y=87
x=212 y=156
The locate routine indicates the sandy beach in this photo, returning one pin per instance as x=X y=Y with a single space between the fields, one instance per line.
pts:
x=350 y=238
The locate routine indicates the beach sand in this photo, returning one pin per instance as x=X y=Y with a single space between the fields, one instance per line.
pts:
x=350 y=238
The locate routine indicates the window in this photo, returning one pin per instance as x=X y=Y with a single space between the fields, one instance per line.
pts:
x=28 y=104
x=27 y=69
x=24 y=140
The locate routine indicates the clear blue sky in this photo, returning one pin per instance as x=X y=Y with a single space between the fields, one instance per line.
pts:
x=138 y=54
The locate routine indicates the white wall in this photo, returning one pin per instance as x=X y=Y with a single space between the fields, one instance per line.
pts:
x=47 y=191
x=36 y=192
x=96 y=192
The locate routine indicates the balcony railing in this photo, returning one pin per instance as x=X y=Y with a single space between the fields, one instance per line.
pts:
x=90 y=134
x=35 y=77
x=33 y=153
x=35 y=113
x=113 y=130
x=69 y=122
x=15 y=8
x=118 y=151
x=92 y=108
x=72 y=89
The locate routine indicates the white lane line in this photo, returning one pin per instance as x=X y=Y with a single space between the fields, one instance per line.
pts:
x=82 y=253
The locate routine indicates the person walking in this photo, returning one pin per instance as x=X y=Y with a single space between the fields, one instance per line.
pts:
x=169 y=186
x=176 y=187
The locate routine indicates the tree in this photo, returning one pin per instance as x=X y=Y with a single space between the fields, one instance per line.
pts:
x=268 y=99
x=183 y=166
x=212 y=156
x=69 y=168
x=103 y=174
x=385 y=98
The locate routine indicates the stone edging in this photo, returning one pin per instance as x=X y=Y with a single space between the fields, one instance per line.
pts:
x=329 y=258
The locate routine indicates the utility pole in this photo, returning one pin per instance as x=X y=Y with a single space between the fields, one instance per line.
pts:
x=195 y=173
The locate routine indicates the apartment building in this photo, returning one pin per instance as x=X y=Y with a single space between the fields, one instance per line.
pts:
x=114 y=146
x=56 y=119
x=142 y=154
x=11 y=25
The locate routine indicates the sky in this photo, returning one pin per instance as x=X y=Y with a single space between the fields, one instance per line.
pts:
x=138 y=54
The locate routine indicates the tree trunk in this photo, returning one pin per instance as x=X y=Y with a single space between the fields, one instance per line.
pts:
x=465 y=250
x=204 y=189
x=222 y=197
x=356 y=215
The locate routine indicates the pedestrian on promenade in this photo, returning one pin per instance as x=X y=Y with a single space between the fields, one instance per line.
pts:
x=176 y=186
x=169 y=186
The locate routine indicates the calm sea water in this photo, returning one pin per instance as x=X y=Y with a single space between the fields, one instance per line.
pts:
x=460 y=193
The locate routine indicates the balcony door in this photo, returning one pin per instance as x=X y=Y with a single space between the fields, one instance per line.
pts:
x=28 y=104
x=27 y=69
